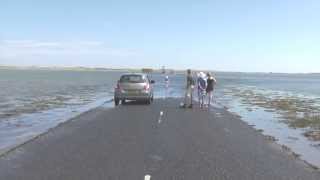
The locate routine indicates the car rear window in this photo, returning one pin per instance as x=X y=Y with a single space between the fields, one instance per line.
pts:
x=132 y=79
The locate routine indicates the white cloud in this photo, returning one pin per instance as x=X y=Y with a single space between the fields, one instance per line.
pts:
x=29 y=48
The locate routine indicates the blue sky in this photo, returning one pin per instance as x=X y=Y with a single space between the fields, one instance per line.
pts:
x=228 y=35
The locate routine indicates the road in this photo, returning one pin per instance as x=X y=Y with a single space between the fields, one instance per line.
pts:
x=161 y=141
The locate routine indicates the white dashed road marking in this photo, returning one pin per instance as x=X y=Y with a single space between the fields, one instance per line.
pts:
x=160 y=117
x=147 y=177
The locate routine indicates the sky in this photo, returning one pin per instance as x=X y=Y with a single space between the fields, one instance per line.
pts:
x=224 y=35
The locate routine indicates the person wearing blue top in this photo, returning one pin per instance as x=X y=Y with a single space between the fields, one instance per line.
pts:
x=202 y=86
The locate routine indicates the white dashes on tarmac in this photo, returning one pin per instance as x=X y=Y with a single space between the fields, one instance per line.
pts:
x=160 y=117
x=147 y=177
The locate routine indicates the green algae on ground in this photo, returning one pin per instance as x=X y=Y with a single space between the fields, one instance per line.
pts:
x=313 y=135
x=297 y=112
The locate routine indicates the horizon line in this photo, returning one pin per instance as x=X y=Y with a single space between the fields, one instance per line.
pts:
x=61 y=67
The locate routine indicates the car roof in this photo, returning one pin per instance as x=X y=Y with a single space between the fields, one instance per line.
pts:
x=128 y=74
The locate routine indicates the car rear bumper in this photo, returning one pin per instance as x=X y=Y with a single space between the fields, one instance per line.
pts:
x=138 y=96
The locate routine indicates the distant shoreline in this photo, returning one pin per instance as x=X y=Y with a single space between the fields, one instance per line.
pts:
x=81 y=68
x=64 y=68
x=177 y=71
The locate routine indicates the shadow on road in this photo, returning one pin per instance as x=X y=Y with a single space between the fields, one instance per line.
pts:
x=134 y=103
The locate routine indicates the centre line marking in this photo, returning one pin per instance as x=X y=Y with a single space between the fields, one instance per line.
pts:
x=160 y=117
x=147 y=177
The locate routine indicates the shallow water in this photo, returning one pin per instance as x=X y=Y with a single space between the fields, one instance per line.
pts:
x=266 y=101
x=33 y=101
x=269 y=123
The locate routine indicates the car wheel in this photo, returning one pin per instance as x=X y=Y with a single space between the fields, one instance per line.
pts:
x=116 y=102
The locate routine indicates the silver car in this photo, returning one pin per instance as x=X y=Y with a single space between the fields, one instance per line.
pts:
x=134 y=86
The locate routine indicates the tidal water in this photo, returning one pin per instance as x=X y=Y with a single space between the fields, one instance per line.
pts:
x=33 y=101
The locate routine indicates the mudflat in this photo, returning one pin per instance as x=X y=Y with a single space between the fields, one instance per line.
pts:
x=132 y=141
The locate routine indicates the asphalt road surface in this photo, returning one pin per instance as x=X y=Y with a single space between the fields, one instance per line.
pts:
x=158 y=141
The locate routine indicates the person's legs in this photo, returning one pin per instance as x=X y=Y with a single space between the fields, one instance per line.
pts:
x=203 y=93
x=209 y=98
x=199 y=96
x=205 y=98
x=201 y=100
x=191 y=97
x=212 y=98
x=185 y=98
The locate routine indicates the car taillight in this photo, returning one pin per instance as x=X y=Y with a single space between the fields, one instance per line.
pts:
x=146 y=87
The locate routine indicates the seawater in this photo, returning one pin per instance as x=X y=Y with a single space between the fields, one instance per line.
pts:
x=33 y=101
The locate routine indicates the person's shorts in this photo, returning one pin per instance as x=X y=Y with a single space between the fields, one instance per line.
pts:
x=209 y=90
x=201 y=93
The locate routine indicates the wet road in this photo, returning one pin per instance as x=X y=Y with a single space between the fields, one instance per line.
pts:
x=161 y=141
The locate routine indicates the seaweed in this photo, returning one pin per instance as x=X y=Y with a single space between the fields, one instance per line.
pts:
x=297 y=112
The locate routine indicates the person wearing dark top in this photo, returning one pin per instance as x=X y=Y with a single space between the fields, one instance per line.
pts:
x=189 y=90
x=211 y=81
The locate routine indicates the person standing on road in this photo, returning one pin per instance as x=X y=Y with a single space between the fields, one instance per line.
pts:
x=211 y=81
x=202 y=85
x=189 y=90
x=166 y=81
